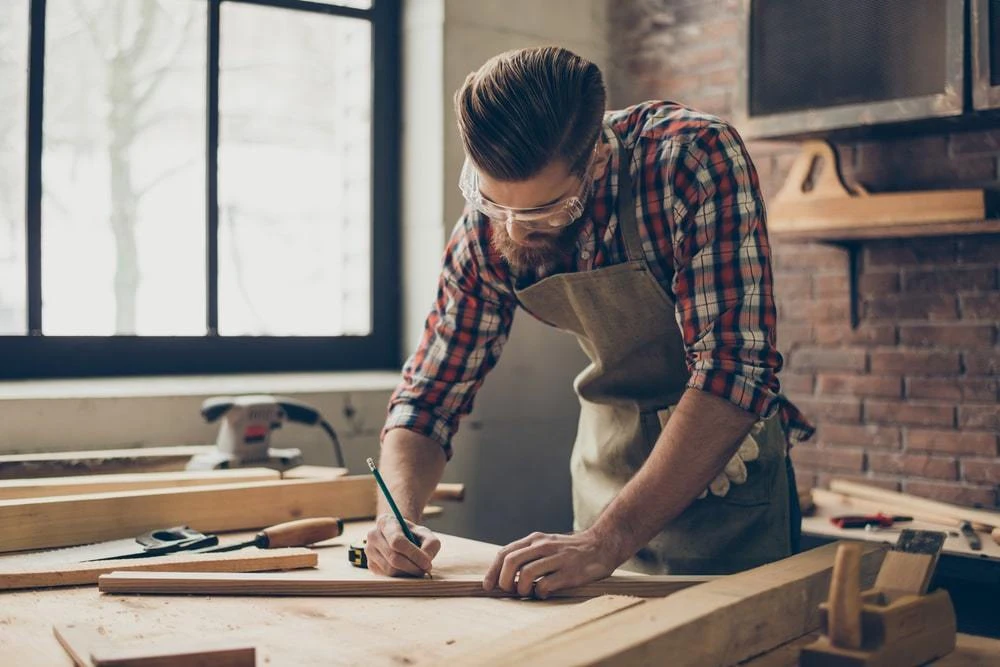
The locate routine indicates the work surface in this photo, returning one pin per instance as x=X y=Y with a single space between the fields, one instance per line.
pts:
x=308 y=631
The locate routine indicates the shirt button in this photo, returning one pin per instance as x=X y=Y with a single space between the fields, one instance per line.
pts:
x=585 y=254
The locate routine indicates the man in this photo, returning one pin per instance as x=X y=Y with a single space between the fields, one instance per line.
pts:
x=640 y=231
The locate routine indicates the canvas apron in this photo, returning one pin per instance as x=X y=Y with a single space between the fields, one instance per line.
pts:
x=625 y=324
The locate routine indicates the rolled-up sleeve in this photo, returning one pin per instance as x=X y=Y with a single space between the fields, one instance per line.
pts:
x=463 y=336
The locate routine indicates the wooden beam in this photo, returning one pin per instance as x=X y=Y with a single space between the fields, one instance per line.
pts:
x=915 y=503
x=65 y=486
x=173 y=583
x=82 y=519
x=443 y=491
x=721 y=622
x=830 y=499
x=53 y=464
x=82 y=574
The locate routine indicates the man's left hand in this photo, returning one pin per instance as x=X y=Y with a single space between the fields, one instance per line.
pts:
x=542 y=563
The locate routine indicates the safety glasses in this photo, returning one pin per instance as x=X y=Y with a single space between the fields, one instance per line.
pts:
x=551 y=216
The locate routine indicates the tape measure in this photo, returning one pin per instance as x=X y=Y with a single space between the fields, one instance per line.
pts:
x=356 y=555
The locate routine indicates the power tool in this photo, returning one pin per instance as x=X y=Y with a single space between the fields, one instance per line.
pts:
x=245 y=436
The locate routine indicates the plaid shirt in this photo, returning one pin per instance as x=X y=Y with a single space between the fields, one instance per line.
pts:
x=702 y=228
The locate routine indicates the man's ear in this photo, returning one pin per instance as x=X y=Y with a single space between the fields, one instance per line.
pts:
x=603 y=160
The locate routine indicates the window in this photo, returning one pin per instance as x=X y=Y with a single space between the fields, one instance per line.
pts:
x=199 y=193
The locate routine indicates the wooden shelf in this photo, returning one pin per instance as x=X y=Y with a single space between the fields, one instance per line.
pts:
x=876 y=231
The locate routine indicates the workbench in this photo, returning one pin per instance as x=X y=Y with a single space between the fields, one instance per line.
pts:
x=313 y=631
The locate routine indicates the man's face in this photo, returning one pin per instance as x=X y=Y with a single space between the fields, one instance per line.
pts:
x=523 y=247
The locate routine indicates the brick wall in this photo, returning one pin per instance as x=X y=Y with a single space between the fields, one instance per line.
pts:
x=910 y=399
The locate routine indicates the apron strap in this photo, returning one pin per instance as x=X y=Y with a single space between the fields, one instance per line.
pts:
x=626 y=204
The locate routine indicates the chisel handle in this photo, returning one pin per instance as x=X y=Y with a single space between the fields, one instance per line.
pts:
x=299 y=533
x=844 y=604
x=449 y=491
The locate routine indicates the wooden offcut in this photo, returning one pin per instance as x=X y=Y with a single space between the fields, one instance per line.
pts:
x=82 y=519
x=815 y=203
x=721 y=622
x=89 y=648
x=100 y=461
x=176 y=583
x=915 y=504
x=73 y=485
x=82 y=574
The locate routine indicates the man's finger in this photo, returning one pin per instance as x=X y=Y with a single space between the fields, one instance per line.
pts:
x=429 y=543
x=535 y=569
x=513 y=563
x=492 y=577
x=400 y=545
x=557 y=581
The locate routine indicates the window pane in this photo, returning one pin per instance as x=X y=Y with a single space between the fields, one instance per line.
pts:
x=294 y=165
x=123 y=213
x=13 y=116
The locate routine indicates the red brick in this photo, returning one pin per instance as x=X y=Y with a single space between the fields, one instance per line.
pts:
x=811 y=358
x=961 y=494
x=912 y=465
x=877 y=284
x=985 y=417
x=946 y=335
x=954 y=389
x=918 y=414
x=952 y=442
x=720 y=77
x=979 y=249
x=845 y=410
x=794 y=284
x=854 y=435
x=814 y=310
x=828 y=459
x=949 y=280
x=791 y=336
x=892 y=254
x=824 y=479
x=985 y=471
x=887 y=386
x=912 y=307
x=796 y=383
x=982 y=362
x=984 y=306
x=808 y=257
x=913 y=362
x=975 y=143
x=831 y=284
x=866 y=334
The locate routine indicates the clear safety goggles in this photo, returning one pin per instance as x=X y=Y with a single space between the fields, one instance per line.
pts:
x=551 y=216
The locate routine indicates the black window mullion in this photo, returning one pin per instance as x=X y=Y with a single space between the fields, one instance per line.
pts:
x=212 y=174
x=33 y=166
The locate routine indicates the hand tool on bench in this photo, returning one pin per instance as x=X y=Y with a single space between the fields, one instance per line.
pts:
x=298 y=533
x=863 y=520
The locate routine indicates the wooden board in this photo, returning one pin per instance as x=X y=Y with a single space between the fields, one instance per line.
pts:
x=82 y=574
x=82 y=519
x=722 y=622
x=840 y=501
x=66 y=486
x=89 y=648
x=970 y=651
x=915 y=503
x=177 y=583
x=51 y=464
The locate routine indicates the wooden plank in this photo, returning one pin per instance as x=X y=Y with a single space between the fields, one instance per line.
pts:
x=824 y=498
x=89 y=648
x=99 y=461
x=176 y=583
x=969 y=650
x=82 y=519
x=563 y=619
x=82 y=574
x=886 y=231
x=721 y=622
x=915 y=503
x=65 y=486
x=443 y=491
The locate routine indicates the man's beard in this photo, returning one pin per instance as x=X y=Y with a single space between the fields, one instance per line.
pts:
x=556 y=249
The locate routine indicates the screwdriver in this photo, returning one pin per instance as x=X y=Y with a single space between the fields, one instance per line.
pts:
x=298 y=533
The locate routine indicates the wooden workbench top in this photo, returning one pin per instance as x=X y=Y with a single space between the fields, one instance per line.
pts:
x=286 y=631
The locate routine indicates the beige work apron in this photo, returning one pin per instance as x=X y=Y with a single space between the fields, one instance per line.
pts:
x=626 y=325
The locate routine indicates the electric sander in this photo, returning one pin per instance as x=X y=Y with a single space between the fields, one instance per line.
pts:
x=245 y=435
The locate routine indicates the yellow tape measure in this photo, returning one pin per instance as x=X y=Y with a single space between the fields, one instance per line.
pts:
x=356 y=554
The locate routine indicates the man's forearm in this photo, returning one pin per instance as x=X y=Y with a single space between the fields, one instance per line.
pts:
x=702 y=434
x=411 y=465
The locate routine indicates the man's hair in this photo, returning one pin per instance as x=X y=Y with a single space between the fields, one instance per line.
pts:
x=522 y=109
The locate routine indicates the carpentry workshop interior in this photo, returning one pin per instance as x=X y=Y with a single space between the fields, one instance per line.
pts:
x=499 y=332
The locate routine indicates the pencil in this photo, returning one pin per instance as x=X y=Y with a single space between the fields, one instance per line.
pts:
x=392 y=503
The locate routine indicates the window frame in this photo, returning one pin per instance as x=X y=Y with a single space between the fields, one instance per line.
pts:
x=34 y=355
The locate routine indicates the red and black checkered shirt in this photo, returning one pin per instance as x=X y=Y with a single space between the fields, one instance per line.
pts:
x=701 y=220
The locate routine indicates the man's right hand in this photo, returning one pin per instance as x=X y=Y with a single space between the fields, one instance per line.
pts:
x=390 y=553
